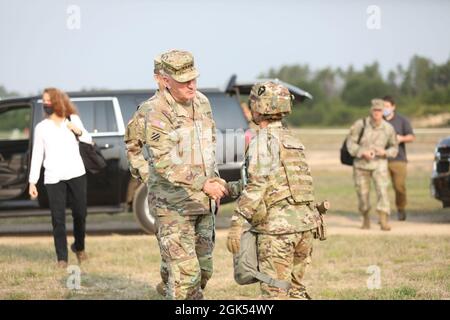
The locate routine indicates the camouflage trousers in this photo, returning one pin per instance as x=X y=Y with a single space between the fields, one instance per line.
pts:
x=186 y=246
x=163 y=269
x=285 y=257
x=363 y=180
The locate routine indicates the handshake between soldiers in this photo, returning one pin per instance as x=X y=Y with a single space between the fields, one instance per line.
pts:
x=215 y=188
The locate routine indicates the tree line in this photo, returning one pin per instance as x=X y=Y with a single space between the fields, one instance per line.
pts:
x=341 y=96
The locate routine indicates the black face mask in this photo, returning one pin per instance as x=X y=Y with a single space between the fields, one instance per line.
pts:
x=48 y=109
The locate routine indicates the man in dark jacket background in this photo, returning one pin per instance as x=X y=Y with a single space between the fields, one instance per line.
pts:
x=397 y=165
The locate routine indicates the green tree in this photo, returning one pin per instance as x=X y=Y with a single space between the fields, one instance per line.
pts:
x=7 y=94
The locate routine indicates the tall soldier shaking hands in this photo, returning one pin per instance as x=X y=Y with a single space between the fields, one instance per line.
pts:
x=134 y=141
x=180 y=142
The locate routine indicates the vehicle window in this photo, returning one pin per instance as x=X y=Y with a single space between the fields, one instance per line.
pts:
x=97 y=116
x=227 y=112
x=129 y=104
x=15 y=123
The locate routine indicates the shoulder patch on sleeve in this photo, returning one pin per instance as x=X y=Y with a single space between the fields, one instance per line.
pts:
x=155 y=136
x=157 y=123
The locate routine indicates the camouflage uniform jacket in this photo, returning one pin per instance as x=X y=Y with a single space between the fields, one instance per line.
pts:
x=381 y=136
x=134 y=141
x=279 y=195
x=182 y=153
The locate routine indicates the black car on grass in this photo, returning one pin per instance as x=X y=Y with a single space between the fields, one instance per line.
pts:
x=440 y=178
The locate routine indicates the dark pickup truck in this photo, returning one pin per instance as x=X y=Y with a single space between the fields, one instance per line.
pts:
x=440 y=178
x=105 y=115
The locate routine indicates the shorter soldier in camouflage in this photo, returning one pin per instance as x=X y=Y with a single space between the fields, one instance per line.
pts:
x=378 y=142
x=278 y=199
x=134 y=140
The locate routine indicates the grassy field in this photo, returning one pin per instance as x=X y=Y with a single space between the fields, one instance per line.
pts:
x=413 y=266
x=126 y=267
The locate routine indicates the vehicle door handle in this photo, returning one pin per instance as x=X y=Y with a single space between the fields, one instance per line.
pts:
x=106 y=146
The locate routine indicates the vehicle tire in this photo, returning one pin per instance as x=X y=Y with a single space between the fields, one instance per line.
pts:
x=141 y=210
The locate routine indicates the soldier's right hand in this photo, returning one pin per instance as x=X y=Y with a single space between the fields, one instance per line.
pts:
x=219 y=180
x=368 y=155
x=234 y=238
x=214 y=189
x=380 y=152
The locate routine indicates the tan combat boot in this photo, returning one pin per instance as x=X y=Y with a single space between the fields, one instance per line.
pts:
x=366 y=221
x=161 y=288
x=384 y=221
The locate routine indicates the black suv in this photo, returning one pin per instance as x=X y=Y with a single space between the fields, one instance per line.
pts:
x=440 y=179
x=105 y=115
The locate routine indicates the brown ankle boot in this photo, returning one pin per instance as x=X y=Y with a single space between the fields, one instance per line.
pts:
x=384 y=221
x=161 y=288
x=366 y=221
x=401 y=214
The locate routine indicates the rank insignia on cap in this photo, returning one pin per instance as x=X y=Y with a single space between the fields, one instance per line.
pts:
x=261 y=90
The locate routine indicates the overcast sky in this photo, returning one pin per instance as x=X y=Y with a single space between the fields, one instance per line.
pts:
x=117 y=40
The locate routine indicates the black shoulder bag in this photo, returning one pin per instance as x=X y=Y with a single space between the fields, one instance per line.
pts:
x=93 y=159
x=346 y=157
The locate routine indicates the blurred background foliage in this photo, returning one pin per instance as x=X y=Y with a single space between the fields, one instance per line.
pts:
x=342 y=96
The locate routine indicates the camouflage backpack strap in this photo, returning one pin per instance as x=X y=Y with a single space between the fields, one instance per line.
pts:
x=246 y=264
x=145 y=147
x=362 y=131
x=272 y=282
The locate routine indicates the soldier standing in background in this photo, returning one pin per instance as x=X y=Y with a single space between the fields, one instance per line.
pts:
x=180 y=141
x=278 y=199
x=377 y=143
x=134 y=141
x=397 y=165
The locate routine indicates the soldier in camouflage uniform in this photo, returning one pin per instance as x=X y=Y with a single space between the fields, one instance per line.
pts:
x=378 y=142
x=134 y=140
x=278 y=200
x=180 y=140
x=134 y=136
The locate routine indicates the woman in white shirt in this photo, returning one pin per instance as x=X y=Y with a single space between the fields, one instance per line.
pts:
x=56 y=147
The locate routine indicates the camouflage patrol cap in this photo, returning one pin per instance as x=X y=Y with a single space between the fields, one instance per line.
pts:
x=270 y=98
x=157 y=66
x=377 y=104
x=179 y=65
